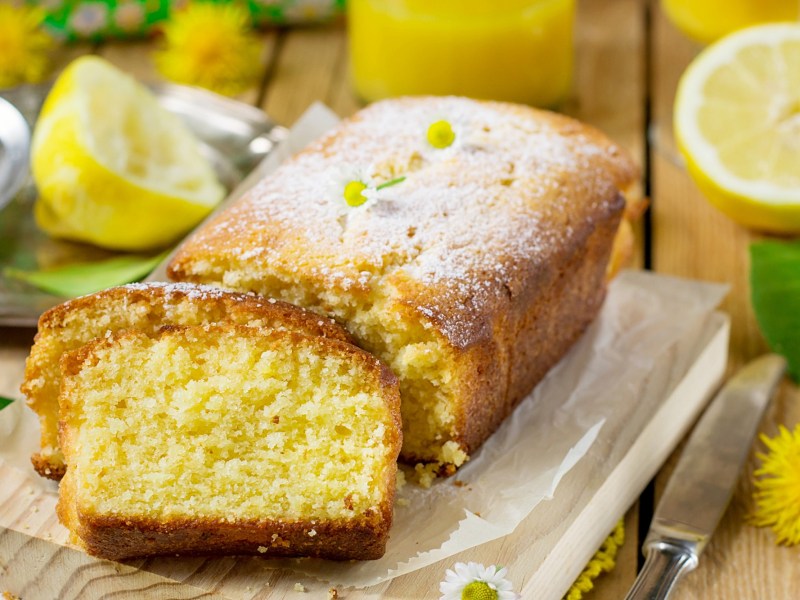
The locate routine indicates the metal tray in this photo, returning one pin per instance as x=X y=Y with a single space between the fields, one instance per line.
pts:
x=235 y=137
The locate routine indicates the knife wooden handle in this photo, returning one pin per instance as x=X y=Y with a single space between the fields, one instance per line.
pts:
x=666 y=562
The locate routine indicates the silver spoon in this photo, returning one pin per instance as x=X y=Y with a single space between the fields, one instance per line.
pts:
x=15 y=144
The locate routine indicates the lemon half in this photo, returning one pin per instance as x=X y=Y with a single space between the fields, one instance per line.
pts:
x=112 y=167
x=737 y=122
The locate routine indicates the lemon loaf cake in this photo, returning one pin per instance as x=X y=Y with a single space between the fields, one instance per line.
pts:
x=224 y=439
x=465 y=243
x=148 y=307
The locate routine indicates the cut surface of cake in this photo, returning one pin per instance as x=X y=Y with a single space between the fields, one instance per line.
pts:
x=146 y=307
x=465 y=243
x=224 y=439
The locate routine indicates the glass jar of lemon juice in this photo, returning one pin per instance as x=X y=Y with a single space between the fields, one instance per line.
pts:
x=515 y=50
x=707 y=20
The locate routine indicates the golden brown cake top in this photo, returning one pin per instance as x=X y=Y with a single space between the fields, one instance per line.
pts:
x=467 y=224
x=155 y=297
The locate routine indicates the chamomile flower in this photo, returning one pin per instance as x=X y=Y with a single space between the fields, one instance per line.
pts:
x=473 y=581
x=212 y=46
x=356 y=187
x=24 y=47
x=444 y=132
x=351 y=186
x=777 y=484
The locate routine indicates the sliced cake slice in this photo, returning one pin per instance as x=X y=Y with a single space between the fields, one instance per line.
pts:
x=225 y=439
x=146 y=307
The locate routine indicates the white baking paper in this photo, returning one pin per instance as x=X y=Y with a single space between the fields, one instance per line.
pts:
x=643 y=319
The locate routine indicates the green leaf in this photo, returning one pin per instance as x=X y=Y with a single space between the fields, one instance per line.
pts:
x=70 y=281
x=5 y=402
x=775 y=288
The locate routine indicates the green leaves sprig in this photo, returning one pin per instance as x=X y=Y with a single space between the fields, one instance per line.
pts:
x=775 y=289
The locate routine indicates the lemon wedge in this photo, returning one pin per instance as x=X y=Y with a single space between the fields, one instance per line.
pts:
x=112 y=167
x=737 y=123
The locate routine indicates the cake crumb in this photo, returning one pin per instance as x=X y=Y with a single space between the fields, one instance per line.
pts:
x=262 y=549
x=403 y=502
x=400 y=480
x=333 y=594
x=299 y=587
x=453 y=454
x=459 y=483
x=425 y=474
x=8 y=596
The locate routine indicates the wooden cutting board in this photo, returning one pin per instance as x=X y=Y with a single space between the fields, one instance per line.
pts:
x=544 y=555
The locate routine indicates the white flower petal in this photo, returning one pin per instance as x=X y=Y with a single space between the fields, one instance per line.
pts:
x=447 y=587
x=464 y=571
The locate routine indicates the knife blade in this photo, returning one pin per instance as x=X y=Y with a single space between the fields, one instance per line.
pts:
x=700 y=488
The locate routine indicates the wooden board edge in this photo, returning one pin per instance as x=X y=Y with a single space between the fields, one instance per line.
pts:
x=639 y=465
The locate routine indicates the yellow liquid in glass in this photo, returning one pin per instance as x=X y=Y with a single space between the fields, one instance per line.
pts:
x=514 y=50
x=708 y=20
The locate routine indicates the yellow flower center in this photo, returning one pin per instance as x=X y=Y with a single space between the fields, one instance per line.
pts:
x=441 y=134
x=354 y=193
x=478 y=590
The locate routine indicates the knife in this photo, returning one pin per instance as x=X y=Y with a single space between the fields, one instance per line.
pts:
x=702 y=484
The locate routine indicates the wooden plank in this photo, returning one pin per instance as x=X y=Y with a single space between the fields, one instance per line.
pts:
x=610 y=87
x=308 y=66
x=33 y=568
x=136 y=58
x=609 y=93
x=692 y=239
x=66 y=54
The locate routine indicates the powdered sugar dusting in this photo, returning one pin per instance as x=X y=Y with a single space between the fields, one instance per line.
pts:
x=461 y=229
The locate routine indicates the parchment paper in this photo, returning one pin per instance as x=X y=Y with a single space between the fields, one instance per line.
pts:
x=643 y=318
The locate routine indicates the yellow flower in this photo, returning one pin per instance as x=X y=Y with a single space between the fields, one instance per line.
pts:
x=603 y=561
x=24 y=47
x=211 y=46
x=777 y=483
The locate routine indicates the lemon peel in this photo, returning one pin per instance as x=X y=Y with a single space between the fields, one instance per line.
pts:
x=737 y=123
x=112 y=167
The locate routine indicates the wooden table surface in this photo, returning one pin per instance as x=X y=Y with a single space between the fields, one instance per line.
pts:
x=629 y=61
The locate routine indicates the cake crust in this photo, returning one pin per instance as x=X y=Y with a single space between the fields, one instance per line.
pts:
x=118 y=537
x=140 y=304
